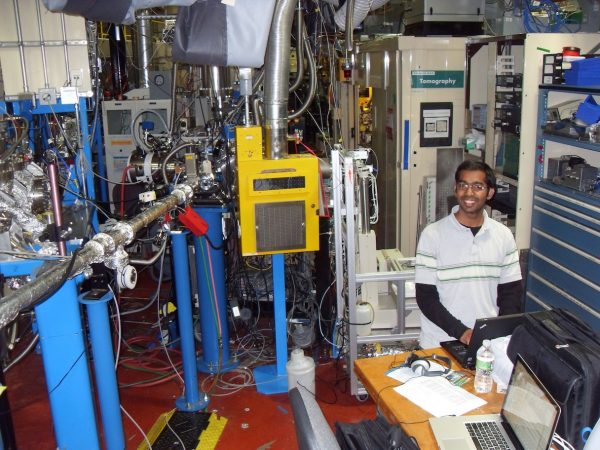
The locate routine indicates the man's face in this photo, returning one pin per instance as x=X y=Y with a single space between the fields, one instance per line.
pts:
x=472 y=192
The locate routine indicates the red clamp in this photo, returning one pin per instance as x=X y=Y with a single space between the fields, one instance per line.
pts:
x=193 y=222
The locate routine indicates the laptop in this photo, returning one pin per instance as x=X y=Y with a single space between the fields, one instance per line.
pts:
x=526 y=422
x=487 y=328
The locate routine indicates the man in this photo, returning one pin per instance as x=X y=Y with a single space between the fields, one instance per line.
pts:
x=467 y=265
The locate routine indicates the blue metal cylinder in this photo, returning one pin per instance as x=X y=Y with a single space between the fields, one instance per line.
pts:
x=210 y=274
x=181 y=267
x=104 y=368
x=66 y=369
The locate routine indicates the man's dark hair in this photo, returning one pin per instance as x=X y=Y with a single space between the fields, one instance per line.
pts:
x=471 y=165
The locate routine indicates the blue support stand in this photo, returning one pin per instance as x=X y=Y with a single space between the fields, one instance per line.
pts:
x=66 y=369
x=210 y=274
x=191 y=401
x=104 y=368
x=272 y=379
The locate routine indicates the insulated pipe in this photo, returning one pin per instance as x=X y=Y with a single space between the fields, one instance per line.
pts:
x=144 y=49
x=277 y=64
x=96 y=250
x=312 y=77
x=360 y=7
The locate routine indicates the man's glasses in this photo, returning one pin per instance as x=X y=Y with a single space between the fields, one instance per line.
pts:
x=475 y=187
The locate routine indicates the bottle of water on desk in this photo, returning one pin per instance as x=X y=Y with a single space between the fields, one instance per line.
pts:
x=483 y=368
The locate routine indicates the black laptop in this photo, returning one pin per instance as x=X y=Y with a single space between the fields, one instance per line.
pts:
x=486 y=328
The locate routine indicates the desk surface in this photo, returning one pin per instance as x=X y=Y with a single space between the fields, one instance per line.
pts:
x=397 y=409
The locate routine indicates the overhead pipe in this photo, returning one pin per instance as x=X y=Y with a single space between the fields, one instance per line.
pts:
x=42 y=43
x=21 y=46
x=144 y=49
x=349 y=22
x=97 y=250
x=299 y=48
x=277 y=69
x=312 y=66
x=361 y=9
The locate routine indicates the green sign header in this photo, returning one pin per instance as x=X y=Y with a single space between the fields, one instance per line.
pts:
x=437 y=79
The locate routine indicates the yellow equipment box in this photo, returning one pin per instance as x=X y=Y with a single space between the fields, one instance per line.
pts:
x=279 y=203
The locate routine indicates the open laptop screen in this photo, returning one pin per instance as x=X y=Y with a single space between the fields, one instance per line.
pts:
x=529 y=409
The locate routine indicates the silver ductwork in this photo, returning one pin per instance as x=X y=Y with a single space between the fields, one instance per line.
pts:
x=277 y=64
x=361 y=10
x=144 y=49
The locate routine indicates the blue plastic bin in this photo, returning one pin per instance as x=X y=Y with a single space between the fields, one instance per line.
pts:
x=588 y=111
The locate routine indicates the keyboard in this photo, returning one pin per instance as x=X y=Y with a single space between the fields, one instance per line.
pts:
x=487 y=436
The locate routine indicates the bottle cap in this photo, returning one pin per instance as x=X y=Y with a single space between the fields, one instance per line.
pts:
x=486 y=343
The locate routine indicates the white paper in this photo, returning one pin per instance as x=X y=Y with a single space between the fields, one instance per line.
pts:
x=439 y=397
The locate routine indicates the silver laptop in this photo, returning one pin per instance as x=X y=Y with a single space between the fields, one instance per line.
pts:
x=526 y=422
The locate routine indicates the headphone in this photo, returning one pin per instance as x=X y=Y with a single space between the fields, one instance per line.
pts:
x=421 y=364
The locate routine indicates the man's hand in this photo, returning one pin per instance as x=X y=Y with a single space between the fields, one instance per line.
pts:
x=466 y=336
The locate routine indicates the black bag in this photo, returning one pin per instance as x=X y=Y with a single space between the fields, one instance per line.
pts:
x=564 y=353
x=375 y=434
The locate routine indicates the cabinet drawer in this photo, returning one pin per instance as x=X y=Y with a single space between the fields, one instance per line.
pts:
x=541 y=294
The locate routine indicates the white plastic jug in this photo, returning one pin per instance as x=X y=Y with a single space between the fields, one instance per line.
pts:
x=364 y=318
x=301 y=371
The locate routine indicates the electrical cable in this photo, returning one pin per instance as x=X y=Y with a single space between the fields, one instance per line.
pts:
x=24 y=353
x=137 y=425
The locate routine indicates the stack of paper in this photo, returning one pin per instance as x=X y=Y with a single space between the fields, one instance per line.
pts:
x=439 y=397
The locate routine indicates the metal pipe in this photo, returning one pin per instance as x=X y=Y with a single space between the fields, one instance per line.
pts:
x=257 y=109
x=299 y=49
x=156 y=16
x=144 y=50
x=65 y=49
x=20 y=44
x=153 y=259
x=312 y=66
x=215 y=81
x=349 y=25
x=277 y=66
x=118 y=60
x=42 y=43
x=56 y=207
x=363 y=199
x=96 y=250
x=173 y=117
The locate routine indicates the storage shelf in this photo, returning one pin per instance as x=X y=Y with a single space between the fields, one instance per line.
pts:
x=571 y=141
x=576 y=89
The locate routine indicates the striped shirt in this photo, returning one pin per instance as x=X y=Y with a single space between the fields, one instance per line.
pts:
x=465 y=270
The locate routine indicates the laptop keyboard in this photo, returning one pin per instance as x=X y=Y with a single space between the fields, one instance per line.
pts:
x=487 y=436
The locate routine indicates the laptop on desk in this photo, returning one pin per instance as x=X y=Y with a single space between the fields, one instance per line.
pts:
x=526 y=422
x=487 y=328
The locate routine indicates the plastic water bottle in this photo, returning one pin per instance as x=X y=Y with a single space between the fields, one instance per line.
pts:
x=483 y=368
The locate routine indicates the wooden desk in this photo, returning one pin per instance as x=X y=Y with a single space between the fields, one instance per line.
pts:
x=397 y=409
